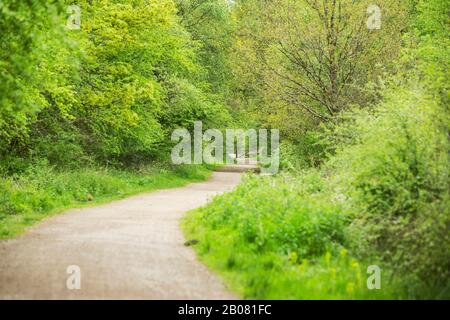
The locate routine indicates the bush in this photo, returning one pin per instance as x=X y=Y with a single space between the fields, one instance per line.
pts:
x=279 y=237
x=395 y=177
x=268 y=215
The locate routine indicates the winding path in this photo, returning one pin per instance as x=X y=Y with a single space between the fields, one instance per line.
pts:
x=127 y=249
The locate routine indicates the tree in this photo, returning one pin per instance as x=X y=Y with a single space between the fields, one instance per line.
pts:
x=35 y=68
x=209 y=23
x=319 y=55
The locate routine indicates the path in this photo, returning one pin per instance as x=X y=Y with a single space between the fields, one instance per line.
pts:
x=127 y=249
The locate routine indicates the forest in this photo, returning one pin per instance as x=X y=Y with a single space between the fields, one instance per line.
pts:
x=91 y=91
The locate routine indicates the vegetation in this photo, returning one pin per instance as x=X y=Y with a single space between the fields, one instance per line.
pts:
x=359 y=93
x=84 y=108
x=42 y=190
x=378 y=189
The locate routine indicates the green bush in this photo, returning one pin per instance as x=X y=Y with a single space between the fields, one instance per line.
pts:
x=394 y=171
x=281 y=238
x=395 y=177
x=287 y=225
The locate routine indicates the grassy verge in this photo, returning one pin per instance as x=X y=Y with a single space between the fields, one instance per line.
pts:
x=273 y=238
x=43 y=191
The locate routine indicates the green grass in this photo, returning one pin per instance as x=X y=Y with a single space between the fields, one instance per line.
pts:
x=273 y=238
x=43 y=191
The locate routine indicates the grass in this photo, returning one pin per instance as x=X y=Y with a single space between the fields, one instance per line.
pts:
x=42 y=191
x=271 y=239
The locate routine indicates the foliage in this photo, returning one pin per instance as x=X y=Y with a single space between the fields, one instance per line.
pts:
x=209 y=22
x=33 y=63
x=42 y=191
x=363 y=114
x=280 y=238
x=396 y=168
x=299 y=63
x=106 y=91
x=381 y=194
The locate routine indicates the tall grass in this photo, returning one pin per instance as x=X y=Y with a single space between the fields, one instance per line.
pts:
x=42 y=191
x=277 y=238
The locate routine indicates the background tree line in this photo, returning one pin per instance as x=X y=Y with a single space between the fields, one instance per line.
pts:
x=112 y=91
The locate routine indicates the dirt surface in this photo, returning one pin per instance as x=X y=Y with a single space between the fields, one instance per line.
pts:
x=127 y=249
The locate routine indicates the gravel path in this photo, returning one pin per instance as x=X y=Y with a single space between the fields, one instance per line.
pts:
x=127 y=249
